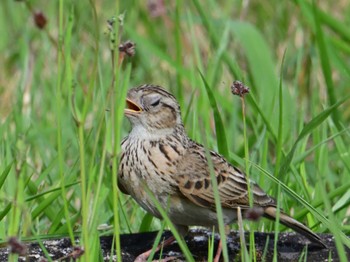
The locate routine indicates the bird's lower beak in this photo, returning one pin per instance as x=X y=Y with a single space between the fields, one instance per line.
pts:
x=131 y=107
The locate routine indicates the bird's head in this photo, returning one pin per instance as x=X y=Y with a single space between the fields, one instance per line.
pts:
x=152 y=109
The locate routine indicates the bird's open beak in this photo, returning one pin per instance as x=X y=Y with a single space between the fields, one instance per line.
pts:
x=131 y=107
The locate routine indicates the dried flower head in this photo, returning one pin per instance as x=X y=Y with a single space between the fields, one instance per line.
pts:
x=156 y=8
x=127 y=48
x=17 y=247
x=40 y=19
x=77 y=252
x=254 y=213
x=239 y=89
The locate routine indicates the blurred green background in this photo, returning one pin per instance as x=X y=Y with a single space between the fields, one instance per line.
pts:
x=62 y=99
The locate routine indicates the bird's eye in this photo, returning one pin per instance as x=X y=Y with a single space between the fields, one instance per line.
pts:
x=155 y=103
x=151 y=101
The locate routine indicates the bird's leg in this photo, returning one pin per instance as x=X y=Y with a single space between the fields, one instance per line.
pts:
x=143 y=257
x=218 y=252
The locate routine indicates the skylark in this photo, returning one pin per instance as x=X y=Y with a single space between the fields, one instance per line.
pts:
x=159 y=155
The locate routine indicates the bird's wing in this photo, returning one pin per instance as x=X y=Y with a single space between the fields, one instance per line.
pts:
x=193 y=178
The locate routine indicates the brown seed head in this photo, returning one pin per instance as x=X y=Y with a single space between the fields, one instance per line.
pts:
x=77 y=252
x=239 y=89
x=156 y=8
x=254 y=213
x=16 y=246
x=128 y=48
x=40 y=19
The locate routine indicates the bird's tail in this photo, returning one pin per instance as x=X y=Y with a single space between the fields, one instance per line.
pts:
x=270 y=213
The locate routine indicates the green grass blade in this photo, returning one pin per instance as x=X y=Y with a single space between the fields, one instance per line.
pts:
x=308 y=128
x=258 y=54
x=280 y=122
x=50 y=191
x=179 y=239
x=326 y=67
x=146 y=223
x=5 y=173
x=301 y=157
x=219 y=126
x=307 y=205
x=218 y=206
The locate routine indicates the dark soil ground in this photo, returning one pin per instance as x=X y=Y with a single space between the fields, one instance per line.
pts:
x=290 y=246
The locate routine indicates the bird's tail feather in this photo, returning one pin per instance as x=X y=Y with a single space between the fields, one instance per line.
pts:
x=270 y=212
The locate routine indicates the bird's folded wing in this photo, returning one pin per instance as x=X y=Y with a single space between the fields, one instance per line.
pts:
x=193 y=177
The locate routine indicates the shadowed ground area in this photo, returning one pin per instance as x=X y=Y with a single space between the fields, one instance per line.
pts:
x=290 y=246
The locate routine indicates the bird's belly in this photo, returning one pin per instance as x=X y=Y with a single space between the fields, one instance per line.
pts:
x=139 y=189
x=142 y=183
x=184 y=212
x=146 y=173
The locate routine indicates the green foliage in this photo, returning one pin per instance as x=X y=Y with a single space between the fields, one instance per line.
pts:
x=62 y=91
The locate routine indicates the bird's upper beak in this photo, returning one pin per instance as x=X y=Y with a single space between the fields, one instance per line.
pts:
x=132 y=107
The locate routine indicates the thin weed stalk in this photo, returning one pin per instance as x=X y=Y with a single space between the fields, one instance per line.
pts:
x=239 y=89
x=59 y=103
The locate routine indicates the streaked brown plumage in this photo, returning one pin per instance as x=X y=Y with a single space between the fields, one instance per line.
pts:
x=158 y=154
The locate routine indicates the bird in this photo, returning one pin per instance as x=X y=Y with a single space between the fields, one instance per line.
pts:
x=158 y=155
